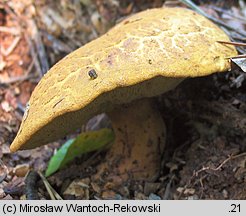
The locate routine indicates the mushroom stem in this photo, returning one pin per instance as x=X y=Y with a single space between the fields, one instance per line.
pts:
x=139 y=142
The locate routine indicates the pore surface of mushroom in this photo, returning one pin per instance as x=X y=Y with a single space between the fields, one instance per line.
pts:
x=145 y=55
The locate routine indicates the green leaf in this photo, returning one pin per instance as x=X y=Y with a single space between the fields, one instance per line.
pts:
x=84 y=143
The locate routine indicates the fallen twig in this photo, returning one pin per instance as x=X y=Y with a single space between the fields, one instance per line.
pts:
x=230 y=157
x=34 y=55
x=39 y=46
x=10 y=30
x=239 y=56
x=40 y=53
x=9 y=50
x=196 y=173
x=31 y=185
x=22 y=78
x=232 y=43
x=239 y=60
x=168 y=187
x=239 y=80
x=53 y=194
x=15 y=79
x=57 y=44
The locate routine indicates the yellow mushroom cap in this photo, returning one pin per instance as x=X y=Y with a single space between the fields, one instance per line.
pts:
x=145 y=55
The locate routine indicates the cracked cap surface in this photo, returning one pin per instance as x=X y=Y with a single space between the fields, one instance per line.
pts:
x=145 y=55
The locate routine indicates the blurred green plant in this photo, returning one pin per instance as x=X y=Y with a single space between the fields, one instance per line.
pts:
x=84 y=143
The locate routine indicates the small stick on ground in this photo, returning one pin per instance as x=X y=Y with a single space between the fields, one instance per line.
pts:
x=15 y=79
x=39 y=46
x=196 y=173
x=10 y=30
x=239 y=56
x=22 y=78
x=31 y=186
x=34 y=55
x=232 y=43
x=10 y=49
x=166 y=195
x=40 y=53
x=53 y=194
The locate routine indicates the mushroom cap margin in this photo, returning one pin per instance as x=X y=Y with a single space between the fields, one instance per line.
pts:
x=145 y=55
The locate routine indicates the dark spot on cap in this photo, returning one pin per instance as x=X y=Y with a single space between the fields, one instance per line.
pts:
x=92 y=73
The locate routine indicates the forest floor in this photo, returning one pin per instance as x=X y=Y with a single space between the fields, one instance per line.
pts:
x=205 y=154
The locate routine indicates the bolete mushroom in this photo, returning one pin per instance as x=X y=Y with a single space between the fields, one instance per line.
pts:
x=144 y=56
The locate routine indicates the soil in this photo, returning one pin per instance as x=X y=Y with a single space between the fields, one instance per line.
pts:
x=205 y=156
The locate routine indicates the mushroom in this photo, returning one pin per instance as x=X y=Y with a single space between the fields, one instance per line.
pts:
x=145 y=55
